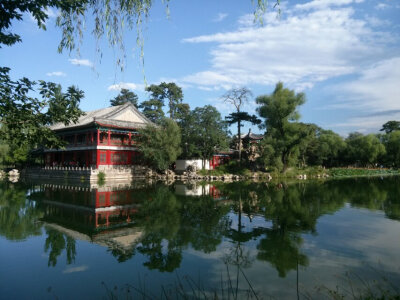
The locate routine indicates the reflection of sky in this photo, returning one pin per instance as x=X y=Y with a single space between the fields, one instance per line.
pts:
x=359 y=241
x=355 y=240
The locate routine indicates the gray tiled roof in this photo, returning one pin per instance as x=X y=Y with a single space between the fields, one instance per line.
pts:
x=105 y=116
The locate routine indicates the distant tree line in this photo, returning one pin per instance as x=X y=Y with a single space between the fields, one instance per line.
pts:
x=289 y=142
x=195 y=133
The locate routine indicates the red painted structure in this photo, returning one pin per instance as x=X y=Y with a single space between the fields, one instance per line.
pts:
x=93 y=209
x=101 y=137
x=95 y=147
x=218 y=160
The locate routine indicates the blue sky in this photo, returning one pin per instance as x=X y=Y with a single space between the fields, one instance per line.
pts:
x=344 y=54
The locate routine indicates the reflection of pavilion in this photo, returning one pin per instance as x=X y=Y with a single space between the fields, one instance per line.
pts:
x=102 y=215
x=197 y=190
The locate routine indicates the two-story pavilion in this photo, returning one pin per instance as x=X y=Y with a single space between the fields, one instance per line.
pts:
x=101 y=137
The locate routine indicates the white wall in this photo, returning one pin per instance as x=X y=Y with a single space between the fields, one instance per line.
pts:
x=182 y=164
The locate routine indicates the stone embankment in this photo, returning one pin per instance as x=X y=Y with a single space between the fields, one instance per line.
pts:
x=140 y=172
x=191 y=176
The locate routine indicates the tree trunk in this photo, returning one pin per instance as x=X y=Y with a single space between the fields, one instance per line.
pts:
x=240 y=144
x=285 y=158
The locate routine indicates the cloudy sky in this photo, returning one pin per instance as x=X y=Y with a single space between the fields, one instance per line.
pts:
x=344 y=54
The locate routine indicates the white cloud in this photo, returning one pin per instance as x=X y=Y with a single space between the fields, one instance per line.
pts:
x=51 y=13
x=381 y=6
x=126 y=85
x=81 y=62
x=374 y=95
x=56 y=73
x=300 y=50
x=377 y=87
x=220 y=17
x=322 y=4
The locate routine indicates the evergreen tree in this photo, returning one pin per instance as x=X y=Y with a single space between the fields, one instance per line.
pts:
x=284 y=135
x=125 y=96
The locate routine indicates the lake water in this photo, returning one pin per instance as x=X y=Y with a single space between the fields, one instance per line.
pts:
x=238 y=240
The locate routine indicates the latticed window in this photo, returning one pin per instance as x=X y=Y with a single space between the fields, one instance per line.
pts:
x=103 y=157
x=103 y=138
x=119 y=158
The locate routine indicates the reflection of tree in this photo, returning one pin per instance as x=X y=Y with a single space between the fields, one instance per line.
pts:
x=159 y=216
x=290 y=216
x=122 y=255
x=203 y=223
x=282 y=250
x=173 y=222
x=18 y=216
x=57 y=242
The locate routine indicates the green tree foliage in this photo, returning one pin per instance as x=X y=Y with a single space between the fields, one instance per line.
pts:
x=25 y=119
x=158 y=95
x=325 y=148
x=204 y=132
x=364 y=149
x=55 y=243
x=283 y=136
x=390 y=126
x=160 y=145
x=239 y=97
x=125 y=96
x=11 y=10
x=18 y=216
x=152 y=109
x=392 y=143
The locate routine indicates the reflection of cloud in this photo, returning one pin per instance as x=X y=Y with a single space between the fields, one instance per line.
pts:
x=69 y=270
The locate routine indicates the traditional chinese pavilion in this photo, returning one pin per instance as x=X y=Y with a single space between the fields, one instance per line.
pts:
x=101 y=137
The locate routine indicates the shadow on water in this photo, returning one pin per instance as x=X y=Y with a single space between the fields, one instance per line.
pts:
x=258 y=221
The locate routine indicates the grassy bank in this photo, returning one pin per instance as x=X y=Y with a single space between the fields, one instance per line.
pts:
x=356 y=172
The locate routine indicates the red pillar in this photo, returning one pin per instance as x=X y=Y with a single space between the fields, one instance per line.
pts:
x=97 y=158
x=108 y=157
x=130 y=138
x=98 y=137
x=109 y=137
x=91 y=137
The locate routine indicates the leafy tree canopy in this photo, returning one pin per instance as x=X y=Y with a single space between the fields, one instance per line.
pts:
x=204 y=132
x=25 y=119
x=125 y=96
x=325 y=148
x=390 y=126
x=160 y=145
x=238 y=97
x=364 y=149
x=280 y=113
x=167 y=91
x=392 y=143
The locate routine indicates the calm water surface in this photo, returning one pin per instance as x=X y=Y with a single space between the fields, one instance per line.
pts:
x=68 y=241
